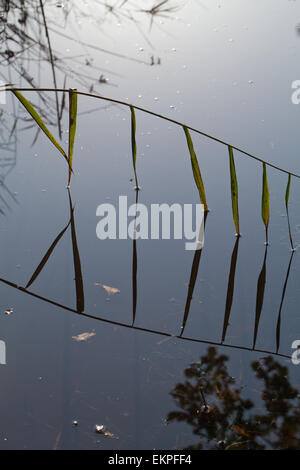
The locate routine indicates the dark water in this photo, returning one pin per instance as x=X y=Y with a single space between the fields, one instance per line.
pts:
x=195 y=348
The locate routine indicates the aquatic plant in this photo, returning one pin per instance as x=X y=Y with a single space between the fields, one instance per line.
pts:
x=73 y=94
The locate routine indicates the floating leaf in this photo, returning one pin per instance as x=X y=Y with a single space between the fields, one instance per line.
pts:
x=265 y=204
x=196 y=169
x=72 y=127
x=28 y=106
x=133 y=143
x=83 y=336
x=234 y=191
x=100 y=429
x=110 y=290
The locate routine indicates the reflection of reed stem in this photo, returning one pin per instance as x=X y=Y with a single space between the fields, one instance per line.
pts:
x=52 y=67
x=278 y=327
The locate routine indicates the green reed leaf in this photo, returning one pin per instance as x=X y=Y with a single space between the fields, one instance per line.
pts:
x=196 y=169
x=287 y=198
x=234 y=191
x=72 y=127
x=28 y=106
x=133 y=143
x=265 y=204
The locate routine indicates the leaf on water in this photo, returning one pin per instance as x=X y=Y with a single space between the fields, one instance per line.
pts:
x=133 y=143
x=110 y=290
x=196 y=169
x=100 y=429
x=265 y=204
x=72 y=127
x=83 y=336
x=28 y=106
x=234 y=191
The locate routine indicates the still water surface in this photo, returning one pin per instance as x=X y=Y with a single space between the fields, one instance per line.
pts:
x=195 y=348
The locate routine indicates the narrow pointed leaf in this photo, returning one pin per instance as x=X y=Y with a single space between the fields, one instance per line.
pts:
x=230 y=288
x=278 y=327
x=192 y=282
x=72 y=127
x=46 y=257
x=265 y=204
x=195 y=168
x=133 y=143
x=287 y=198
x=261 y=284
x=28 y=106
x=77 y=264
x=234 y=191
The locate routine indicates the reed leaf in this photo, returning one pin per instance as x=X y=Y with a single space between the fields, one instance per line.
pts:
x=133 y=143
x=28 y=106
x=265 y=204
x=234 y=191
x=287 y=198
x=72 y=127
x=196 y=169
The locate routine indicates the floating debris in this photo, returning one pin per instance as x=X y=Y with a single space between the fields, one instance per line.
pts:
x=9 y=311
x=83 y=336
x=110 y=290
x=75 y=423
x=100 y=429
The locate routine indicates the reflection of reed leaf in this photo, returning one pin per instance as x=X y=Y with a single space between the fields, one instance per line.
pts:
x=230 y=289
x=261 y=283
x=192 y=282
x=265 y=203
x=196 y=169
x=287 y=198
x=72 y=128
x=77 y=264
x=278 y=327
x=46 y=257
x=134 y=271
x=133 y=143
x=234 y=191
x=28 y=106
